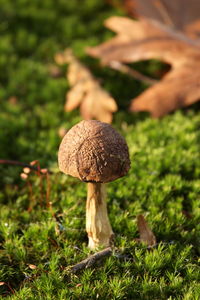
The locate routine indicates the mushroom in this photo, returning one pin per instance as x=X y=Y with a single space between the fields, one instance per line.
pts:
x=95 y=153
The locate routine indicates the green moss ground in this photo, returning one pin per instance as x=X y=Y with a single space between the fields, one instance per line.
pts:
x=163 y=183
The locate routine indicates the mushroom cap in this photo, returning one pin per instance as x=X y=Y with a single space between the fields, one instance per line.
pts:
x=94 y=151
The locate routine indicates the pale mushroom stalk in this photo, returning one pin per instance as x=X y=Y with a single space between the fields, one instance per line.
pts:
x=97 y=222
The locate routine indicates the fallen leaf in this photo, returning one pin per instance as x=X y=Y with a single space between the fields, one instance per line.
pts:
x=62 y=57
x=146 y=235
x=86 y=92
x=193 y=30
x=165 y=11
x=148 y=39
x=179 y=88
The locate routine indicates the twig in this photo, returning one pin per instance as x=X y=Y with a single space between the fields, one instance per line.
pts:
x=18 y=163
x=130 y=71
x=91 y=260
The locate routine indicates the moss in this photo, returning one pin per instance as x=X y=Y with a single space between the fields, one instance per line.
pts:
x=163 y=183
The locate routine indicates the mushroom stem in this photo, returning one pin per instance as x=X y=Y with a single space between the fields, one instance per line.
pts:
x=97 y=223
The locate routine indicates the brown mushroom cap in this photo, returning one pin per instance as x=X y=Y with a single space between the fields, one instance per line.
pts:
x=93 y=151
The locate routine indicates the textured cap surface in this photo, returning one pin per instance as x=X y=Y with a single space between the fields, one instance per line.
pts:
x=93 y=151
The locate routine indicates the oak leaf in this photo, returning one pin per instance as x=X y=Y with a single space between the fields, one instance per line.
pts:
x=146 y=234
x=178 y=14
x=86 y=92
x=146 y=39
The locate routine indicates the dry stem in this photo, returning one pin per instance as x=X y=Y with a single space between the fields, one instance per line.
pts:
x=91 y=260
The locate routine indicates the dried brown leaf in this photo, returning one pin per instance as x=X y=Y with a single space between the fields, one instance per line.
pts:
x=145 y=39
x=176 y=14
x=98 y=104
x=63 y=57
x=74 y=97
x=86 y=93
x=146 y=235
x=179 y=88
x=193 y=29
x=77 y=72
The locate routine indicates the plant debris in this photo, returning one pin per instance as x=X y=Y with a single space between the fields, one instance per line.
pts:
x=86 y=92
x=150 y=39
x=91 y=260
x=146 y=234
x=166 y=12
